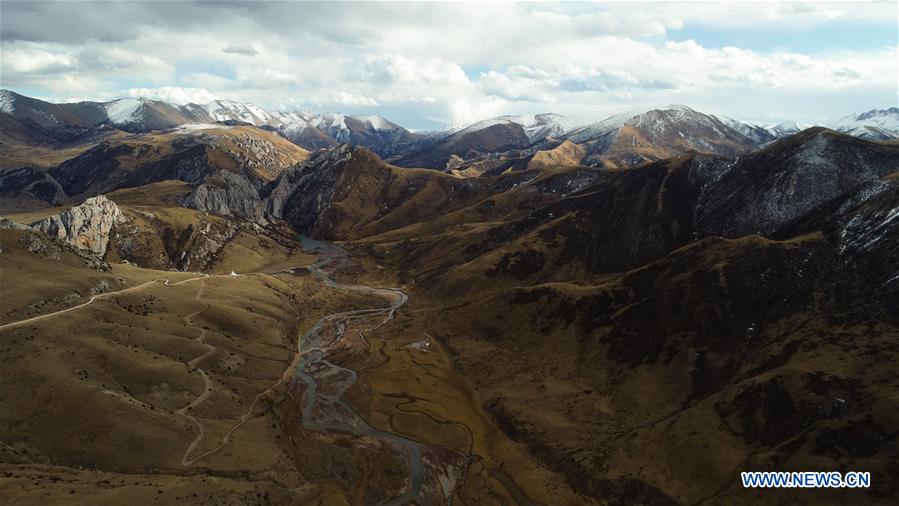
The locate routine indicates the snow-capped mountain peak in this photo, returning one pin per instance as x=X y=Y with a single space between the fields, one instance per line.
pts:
x=376 y=122
x=788 y=127
x=222 y=110
x=536 y=126
x=876 y=124
x=655 y=121
x=124 y=110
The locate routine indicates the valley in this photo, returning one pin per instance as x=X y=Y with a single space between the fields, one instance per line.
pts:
x=203 y=311
x=250 y=357
x=447 y=253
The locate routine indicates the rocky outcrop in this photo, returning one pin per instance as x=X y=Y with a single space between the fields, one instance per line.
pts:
x=39 y=244
x=303 y=194
x=206 y=244
x=86 y=227
x=7 y=224
x=227 y=194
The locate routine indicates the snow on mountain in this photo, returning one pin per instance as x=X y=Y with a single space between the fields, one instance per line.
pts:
x=485 y=123
x=757 y=133
x=197 y=127
x=788 y=127
x=540 y=126
x=873 y=133
x=293 y=124
x=124 y=110
x=7 y=102
x=224 y=110
x=876 y=124
x=880 y=118
x=333 y=124
x=536 y=126
x=655 y=121
x=376 y=122
x=661 y=121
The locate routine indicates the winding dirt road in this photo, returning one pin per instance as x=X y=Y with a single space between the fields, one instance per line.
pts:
x=207 y=383
x=104 y=295
x=311 y=354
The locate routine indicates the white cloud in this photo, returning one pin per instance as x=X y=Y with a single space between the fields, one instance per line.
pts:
x=517 y=87
x=345 y=98
x=33 y=59
x=448 y=63
x=174 y=94
x=465 y=111
x=400 y=69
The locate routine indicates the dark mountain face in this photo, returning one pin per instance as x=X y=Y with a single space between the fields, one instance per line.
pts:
x=763 y=191
x=311 y=138
x=747 y=299
x=466 y=144
x=42 y=122
x=383 y=138
x=349 y=192
x=608 y=221
x=27 y=187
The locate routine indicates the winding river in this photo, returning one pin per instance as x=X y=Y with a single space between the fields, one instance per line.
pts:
x=323 y=407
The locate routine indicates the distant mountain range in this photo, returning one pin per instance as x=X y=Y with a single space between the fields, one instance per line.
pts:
x=621 y=140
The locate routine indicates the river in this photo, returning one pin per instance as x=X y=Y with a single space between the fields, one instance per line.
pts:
x=323 y=407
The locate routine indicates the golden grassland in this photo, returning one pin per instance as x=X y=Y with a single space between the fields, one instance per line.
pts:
x=176 y=392
x=425 y=397
x=165 y=385
x=420 y=395
x=16 y=153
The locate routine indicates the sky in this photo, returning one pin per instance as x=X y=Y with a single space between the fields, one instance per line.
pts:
x=430 y=65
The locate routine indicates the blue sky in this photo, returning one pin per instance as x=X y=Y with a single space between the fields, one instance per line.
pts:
x=435 y=64
x=849 y=35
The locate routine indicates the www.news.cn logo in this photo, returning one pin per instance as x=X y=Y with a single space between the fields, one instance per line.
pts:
x=809 y=479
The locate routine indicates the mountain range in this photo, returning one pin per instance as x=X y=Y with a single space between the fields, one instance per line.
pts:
x=571 y=308
x=622 y=140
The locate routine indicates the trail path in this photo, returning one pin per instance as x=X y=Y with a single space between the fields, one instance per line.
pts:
x=97 y=297
x=311 y=353
x=207 y=383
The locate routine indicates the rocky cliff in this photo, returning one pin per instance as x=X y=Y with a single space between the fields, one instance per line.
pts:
x=86 y=226
x=227 y=194
x=304 y=193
